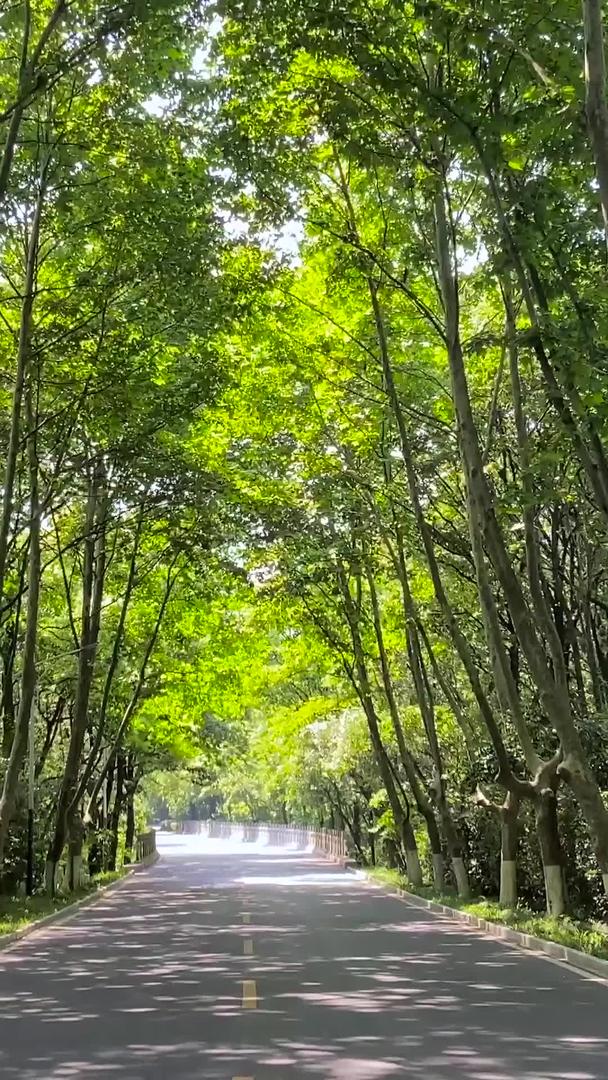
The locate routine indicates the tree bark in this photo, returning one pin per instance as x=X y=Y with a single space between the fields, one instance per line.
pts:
x=28 y=673
x=449 y=619
x=507 y=814
x=547 y=831
x=551 y=683
x=92 y=593
x=114 y=659
x=95 y=853
x=141 y=678
x=7 y=706
x=509 y=843
x=416 y=665
x=364 y=690
x=114 y=823
x=450 y=694
x=130 y=788
x=595 y=97
x=52 y=726
x=24 y=350
x=451 y=623
x=423 y=804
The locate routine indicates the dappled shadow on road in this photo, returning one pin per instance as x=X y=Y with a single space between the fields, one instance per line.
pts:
x=352 y=985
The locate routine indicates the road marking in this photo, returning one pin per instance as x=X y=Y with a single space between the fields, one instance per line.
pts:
x=242 y=1078
x=246 y=917
x=250 y=994
x=248 y=946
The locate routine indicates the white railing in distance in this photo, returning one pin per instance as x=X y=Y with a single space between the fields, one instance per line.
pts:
x=330 y=842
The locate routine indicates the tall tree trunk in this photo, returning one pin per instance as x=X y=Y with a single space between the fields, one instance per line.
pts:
x=423 y=804
x=595 y=98
x=427 y=712
x=95 y=845
x=24 y=350
x=114 y=823
x=141 y=679
x=363 y=687
x=92 y=593
x=507 y=814
x=7 y=706
x=506 y=777
x=577 y=420
x=92 y=760
x=450 y=693
x=449 y=619
x=130 y=788
x=355 y=829
x=552 y=682
x=52 y=727
x=28 y=672
x=30 y=84
x=509 y=843
x=547 y=831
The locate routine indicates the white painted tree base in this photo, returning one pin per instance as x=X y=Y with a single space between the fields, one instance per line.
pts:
x=508 y=883
x=554 y=886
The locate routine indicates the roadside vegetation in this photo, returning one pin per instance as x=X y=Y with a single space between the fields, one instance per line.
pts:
x=586 y=936
x=18 y=912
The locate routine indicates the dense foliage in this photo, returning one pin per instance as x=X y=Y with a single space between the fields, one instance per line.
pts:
x=304 y=355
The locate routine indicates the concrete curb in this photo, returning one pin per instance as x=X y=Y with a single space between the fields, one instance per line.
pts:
x=592 y=965
x=65 y=913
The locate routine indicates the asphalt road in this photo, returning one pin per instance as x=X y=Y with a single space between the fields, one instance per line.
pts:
x=226 y=962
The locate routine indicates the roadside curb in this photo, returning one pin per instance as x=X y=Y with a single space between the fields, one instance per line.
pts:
x=65 y=913
x=592 y=965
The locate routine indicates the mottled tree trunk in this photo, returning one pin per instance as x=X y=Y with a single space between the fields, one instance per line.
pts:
x=547 y=830
x=363 y=687
x=114 y=823
x=509 y=843
x=28 y=671
x=407 y=760
x=595 y=97
x=95 y=858
x=130 y=787
x=416 y=665
x=123 y=726
x=550 y=679
x=66 y=816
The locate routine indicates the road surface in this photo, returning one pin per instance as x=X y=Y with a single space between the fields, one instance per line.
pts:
x=245 y=962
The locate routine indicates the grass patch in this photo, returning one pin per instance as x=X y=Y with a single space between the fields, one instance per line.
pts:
x=587 y=937
x=19 y=911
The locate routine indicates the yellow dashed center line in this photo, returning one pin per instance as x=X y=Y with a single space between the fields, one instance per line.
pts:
x=250 y=994
x=248 y=946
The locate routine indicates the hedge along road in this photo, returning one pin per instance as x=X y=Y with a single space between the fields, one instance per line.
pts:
x=229 y=961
